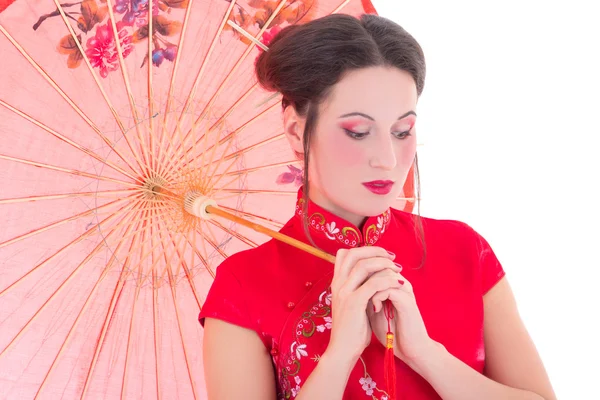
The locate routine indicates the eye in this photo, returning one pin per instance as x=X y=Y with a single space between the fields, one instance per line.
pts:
x=402 y=135
x=356 y=135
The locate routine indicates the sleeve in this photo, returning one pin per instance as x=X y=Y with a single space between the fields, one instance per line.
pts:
x=488 y=266
x=227 y=300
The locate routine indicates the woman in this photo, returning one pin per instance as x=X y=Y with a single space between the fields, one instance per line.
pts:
x=280 y=323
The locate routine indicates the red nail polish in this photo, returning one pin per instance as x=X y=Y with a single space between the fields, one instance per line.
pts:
x=374 y=309
x=391 y=254
x=400 y=281
x=398 y=265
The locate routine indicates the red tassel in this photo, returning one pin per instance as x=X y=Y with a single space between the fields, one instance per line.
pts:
x=389 y=360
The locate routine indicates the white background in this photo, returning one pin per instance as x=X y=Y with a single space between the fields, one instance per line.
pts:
x=509 y=123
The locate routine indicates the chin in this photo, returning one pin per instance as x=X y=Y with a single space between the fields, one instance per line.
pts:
x=374 y=205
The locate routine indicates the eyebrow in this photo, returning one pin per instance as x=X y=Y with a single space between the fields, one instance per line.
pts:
x=354 y=114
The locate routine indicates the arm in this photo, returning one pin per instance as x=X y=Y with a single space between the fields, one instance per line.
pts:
x=329 y=379
x=236 y=363
x=513 y=369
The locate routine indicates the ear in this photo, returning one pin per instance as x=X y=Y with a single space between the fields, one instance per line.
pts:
x=293 y=128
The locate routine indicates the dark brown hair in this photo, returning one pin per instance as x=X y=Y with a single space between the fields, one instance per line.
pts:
x=305 y=61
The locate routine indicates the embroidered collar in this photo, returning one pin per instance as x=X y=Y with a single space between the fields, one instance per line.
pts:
x=331 y=232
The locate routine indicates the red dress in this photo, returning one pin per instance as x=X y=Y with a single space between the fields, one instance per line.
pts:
x=283 y=294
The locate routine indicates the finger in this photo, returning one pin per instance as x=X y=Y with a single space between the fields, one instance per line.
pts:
x=406 y=284
x=377 y=283
x=367 y=268
x=380 y=297
x=349 y=258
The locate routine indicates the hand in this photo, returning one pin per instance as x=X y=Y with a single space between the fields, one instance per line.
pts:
x=411 y=340
x=358 y=276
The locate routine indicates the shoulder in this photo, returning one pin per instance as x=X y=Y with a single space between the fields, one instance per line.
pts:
x=249 y=262
x=257 y=266
x=435 y=228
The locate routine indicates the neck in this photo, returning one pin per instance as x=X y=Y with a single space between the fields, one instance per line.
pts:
x=316 y=197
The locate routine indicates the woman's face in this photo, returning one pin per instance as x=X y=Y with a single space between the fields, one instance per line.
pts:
x=364 y=143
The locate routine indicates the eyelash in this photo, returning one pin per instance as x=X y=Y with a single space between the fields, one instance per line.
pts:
x=359 y=136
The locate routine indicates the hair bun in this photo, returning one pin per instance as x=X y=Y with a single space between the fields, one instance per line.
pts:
x=267 y=63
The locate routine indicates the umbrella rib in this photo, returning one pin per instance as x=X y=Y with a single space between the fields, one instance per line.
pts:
x=125 y=75
x=189 y=274
x=219 y=123
x=236 y=235
x=180 y=330
x=171 y=91
x=227 y=139
x=255 y=191
x=256 y=169
x=64 y=196
x=209 y=53
x=251 y=45
x=254 y=146
x=245 y=124
x=175 y=247
x=60 y=222
x=339 y=8
x=98 y=247
x=96 y=80
x=203 y=243
x=130 y=335
x=217 y=164
x=247 y=214
x=243 y=57
x=66 y=170
x=51 y=82
x=83 y=308
x=156 y=331
x=180 y=254
x=172 y=285
x=259 y=191
x=65 y=139
x=185 y=266
x=213 y=242
x=112 y=306
x=150 y=88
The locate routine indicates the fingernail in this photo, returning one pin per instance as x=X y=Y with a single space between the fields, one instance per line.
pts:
x=398 y=265
x=391 y=254
x=374 y=309
x=400 y=281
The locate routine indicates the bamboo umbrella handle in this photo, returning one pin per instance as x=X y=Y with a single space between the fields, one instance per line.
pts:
x=205 y=208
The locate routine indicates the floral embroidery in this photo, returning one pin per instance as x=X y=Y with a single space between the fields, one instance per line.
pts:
x=299 y=350
x=327 y=325
x=305 y=328
x=374 y=231
x=297 y=388
x=368 y=385
x=347 y=235
x=327 y=295
x=331 y=230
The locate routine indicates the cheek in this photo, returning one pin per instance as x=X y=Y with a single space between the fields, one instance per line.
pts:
x=345 y=152
x=405 y=154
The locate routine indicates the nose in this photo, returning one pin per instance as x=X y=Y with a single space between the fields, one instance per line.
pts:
x=383 y=155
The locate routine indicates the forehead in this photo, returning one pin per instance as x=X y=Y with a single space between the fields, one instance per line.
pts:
x=377 y=91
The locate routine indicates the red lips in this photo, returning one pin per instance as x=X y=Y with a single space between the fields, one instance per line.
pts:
x=379 y=187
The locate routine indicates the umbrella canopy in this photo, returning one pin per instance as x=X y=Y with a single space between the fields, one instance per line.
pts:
x=113 y=115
